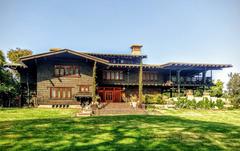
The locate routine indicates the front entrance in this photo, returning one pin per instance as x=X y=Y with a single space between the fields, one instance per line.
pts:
x=110 y=94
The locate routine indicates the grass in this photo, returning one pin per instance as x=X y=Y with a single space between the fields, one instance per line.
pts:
x=58 y=129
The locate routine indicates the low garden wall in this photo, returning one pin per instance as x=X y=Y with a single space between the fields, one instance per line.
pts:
x=189 y=102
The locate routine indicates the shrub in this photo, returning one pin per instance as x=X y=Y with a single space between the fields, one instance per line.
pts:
x=192 y=104
x=212 y=104
x=206 y=103
x=181 y=103
x=198 y=93
x=200 y=104
x=155 y=99
x=133 y=98
x=219 y=103
x=235 y=101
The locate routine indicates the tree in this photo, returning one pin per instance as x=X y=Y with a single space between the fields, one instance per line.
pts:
x=9 y=85
x=217 y=89
x=2 y=58
x=140 y=91
x=234 y=89
x=15 y=54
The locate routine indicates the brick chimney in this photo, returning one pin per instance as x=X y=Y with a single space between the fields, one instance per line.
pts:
x=136 y=49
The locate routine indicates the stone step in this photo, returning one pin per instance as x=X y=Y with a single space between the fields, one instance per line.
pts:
x=83 y=114
x=118 y=105
x=119 y=109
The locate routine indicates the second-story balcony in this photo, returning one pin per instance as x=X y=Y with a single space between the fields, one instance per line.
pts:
x=188 y=81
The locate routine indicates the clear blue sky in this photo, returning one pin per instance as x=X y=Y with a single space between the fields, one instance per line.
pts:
x=205 y=31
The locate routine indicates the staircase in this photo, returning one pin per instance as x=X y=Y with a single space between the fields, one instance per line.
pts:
x=120 y=109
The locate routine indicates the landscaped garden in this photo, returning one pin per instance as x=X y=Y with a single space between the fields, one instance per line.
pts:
x=59 y=129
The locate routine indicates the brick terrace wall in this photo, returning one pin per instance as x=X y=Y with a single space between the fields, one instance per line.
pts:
x=46 y=78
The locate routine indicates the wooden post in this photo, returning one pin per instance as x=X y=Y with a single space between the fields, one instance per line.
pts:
x=28 y=91
x=170 y=92
x=178 y=78
x=94 y=82
x=204 y=79
x=170 y=75
x=211 y=75
x=140 y=91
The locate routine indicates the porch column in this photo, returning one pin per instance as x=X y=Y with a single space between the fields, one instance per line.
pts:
x=204 y=79
x=170 y=92
x=94 y=82
x=170 y=75
x=140 y=90
x=178 y=81
x=28 y=90
x=211 y=75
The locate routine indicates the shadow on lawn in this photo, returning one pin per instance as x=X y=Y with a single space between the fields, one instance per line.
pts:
x=136 y=132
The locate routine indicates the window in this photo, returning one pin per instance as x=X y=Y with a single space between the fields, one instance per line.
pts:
x=84 y=88
x=117 y=75
x=113 y=75
x=60 y=93
x=108 y=75
x=121 y=75
x=149 y=76
x=62 y=70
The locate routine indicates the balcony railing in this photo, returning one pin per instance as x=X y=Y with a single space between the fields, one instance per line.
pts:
x=190 y=81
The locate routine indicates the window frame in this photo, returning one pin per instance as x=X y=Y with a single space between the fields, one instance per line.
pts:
x=67 y=71
x=84 y=87
x=150 y=76
x=113 y=75
x=60 y=92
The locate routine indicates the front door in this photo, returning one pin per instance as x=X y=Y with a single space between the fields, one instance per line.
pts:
x=108 y=96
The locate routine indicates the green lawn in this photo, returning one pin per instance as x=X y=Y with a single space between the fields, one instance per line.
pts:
x=58 y=129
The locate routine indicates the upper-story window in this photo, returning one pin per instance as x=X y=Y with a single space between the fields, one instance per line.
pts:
x=63 y=70
x=150 y=76
x=112 y=75
x=84 y=88
x=117 y=60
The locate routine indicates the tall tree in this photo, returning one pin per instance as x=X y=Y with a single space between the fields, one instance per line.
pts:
x=234 y=89
x=15 y=54
x=140 y=91
x=217 y=89
x=9 y=86
x=2 y=58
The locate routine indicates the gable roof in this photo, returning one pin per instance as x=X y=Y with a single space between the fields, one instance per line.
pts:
x=182 y=64
x=176 y=65
x=84 y=55
x=94 y=57
x=117 y=55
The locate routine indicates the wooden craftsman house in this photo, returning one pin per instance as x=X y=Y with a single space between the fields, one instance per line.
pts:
x=65 y=77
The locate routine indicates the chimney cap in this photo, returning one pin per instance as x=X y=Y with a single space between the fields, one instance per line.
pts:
x=55 y=49
x=136 y=45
